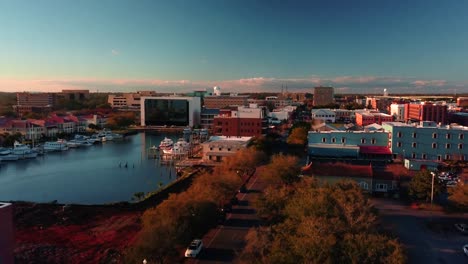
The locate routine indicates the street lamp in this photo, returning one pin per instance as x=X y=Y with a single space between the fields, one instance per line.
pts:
x=432 y=188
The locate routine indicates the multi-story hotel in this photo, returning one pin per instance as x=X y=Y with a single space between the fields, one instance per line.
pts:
x=427 y=141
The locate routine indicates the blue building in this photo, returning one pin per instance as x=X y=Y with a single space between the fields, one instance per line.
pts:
x=349 y=144
x=427 y=141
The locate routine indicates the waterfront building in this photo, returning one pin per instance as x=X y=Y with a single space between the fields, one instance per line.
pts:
x=348 y=144
x=325 y=115
x=368 y=117
x=323 y=96
x=217 y=148
x=426 y=111
x=170 y=111
x=248 y=121
x=6 y=233
x=398 y=112
x=222 y=101
x=427 y=140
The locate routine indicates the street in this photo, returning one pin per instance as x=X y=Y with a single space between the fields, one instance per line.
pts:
x=224 y=243
x=427 y=237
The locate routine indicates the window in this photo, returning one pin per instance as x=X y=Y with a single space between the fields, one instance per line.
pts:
x=399 y=134
x=447 y=156
x=413 y=155
x=343 y=140
x=333 y=140
x=434 y=135
x=381 y=187
x=434 y=145
x=460 y=146
x=324 y=140
x=424 y=156
x=211 y=148
x=439 y=157
x=448 y=136
x=363 y=140
x=398 y=144
x=447 y=146
x=461 y=136
x=413 y=144
x=373 y=141
x=220 y=149
x=364 y=185
x=414 y=134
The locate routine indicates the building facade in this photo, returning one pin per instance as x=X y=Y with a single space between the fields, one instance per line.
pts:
x=365 y=117
x=326 y=115
x=170 y=111
x=426 y=112
x=398 y=112
x=427 y=141
x=323 y=96
x=222 y=101
x=217 y=148
x=244 y=122
x=348 y=144
x=78 y=95
x=207 y=118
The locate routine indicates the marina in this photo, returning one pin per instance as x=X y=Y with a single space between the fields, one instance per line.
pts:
x=102 y=173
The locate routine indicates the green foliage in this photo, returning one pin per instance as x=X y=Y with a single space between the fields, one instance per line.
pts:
x=421 y=184
x=121 y=120
x=353 y=106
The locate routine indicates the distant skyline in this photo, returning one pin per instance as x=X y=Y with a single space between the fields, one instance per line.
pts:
x=361 y=46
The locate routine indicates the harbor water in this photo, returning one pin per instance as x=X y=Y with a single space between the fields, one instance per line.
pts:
x=103 y=173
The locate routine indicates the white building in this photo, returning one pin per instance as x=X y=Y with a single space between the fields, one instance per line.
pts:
x=326 y=115
x=398 y=111
x=216 y=91
x=217 y=148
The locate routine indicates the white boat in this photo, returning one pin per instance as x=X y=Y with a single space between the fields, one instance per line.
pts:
x=5 y=151
x=23 y=151
x=72 y=144
x=180 y=147
x=60 y=145
x=9 y=157
x=166 y=144
x=107 y=135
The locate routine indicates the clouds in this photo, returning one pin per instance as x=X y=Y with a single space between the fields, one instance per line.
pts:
x=342 y=84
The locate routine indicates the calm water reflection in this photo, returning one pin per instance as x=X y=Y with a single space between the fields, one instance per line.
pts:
x=87 y=175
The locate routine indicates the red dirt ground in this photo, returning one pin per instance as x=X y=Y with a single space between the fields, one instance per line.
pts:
x=100 y=237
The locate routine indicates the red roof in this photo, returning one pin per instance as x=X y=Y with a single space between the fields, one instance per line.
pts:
x=381 y=150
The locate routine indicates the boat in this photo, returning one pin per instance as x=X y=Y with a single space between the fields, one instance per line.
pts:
x=166 y=144
x=60 y=145
x=9 y=157
x=180 y=147
x=72 y=143
x=107 y=135
x=23 y=151
x=5 y=151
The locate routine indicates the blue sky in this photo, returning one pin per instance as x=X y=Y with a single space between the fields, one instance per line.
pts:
x=115 y=45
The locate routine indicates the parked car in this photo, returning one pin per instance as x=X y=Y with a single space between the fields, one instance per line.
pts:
x=463 y=228
x=194 y=248
x=465 y=249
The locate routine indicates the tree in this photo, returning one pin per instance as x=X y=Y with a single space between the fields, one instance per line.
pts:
x=458 y=196
x=282 y=169
x=421 y=184
x=298 y=136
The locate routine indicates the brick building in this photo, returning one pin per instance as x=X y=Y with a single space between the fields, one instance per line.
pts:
x=426 y=112
x=323 y=96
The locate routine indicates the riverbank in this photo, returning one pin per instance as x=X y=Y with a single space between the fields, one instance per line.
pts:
x=72 y=233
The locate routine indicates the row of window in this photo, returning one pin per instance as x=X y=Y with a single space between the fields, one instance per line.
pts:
x=434 y=135
x=434 y=145
x=343 y=140
x=439 y=157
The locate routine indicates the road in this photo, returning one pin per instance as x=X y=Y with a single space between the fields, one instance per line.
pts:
x=224 y=243
x=428 y=237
